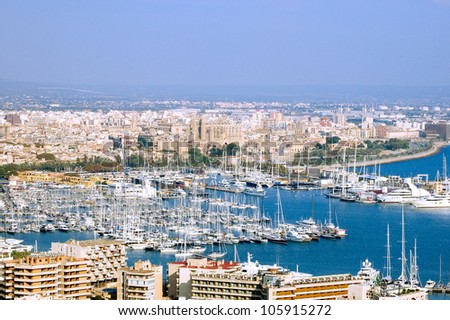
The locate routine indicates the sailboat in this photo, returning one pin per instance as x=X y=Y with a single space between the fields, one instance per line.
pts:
x=330 y=230
x=309 y=225
x=431 y=284
x=220 y=253
x=277 y=235
x=183 y=252
x=414 y=268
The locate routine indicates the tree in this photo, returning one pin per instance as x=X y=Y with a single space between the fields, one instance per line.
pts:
x=196 y=157
x=332 y=140
x=46 y=156
x=232 y=149
x=8 y=170
x=396 y=144
x=144 y=142
x=20 y=254
x=215 y=152
x=319 y=146
x=135 y=161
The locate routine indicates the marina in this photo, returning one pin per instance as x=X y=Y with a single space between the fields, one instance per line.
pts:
x=283 y=223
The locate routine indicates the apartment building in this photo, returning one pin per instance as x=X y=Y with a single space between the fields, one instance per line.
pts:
x=45 y=276
x=143 y=281
x=179 y=274
x=106 y=257
x=201 y=279
x=329 y=287
x=206 y=284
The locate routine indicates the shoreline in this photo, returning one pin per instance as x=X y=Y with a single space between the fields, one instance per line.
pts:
x=436 y=148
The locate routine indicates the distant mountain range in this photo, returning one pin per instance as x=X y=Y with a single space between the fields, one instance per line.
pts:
x=345 y=94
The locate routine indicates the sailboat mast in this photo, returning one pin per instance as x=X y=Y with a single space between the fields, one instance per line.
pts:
x=388 y=255
x=312 y=206
x=414 y=269
x=444 y=165
x=329 y=210
x=403 y=258
x=236 y=255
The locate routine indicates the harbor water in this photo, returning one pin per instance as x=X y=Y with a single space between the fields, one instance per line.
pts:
x=366 y=226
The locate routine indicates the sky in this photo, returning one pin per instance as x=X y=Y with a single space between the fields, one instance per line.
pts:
x=226 y=42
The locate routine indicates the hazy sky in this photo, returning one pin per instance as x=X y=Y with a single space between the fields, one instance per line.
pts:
x=226 y=42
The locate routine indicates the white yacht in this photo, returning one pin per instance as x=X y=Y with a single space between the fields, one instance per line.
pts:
x=433 y=201
x=407 y=194
x=257 y=191
x=430 y=284
x=296 y=236
x=368 y=273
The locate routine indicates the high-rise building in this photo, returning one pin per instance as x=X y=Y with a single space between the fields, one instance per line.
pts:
x=106 y=258
x=202 y=279
x=141 y=282
x=45 y=276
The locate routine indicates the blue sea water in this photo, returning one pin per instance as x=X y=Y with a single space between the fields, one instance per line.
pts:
x=366 y=225
x=431 y=165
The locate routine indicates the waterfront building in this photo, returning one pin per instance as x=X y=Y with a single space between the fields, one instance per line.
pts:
x=327 y=287
x=55 y=177
x=106 y=258
x=440 y=129
x=143 y=281
x=236 y=284
x=402 y=133
x=45 y=276
x=179 y=274
x=201 y=279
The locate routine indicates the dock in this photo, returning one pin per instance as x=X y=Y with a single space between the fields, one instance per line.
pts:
x=442 y=290
x=223 y=189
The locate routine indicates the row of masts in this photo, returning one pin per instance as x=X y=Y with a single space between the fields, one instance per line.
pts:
x=413 y=278
x=189 y=218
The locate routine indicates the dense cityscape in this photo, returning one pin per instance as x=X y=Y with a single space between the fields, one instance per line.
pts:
x=34 y=130
x=165 y=176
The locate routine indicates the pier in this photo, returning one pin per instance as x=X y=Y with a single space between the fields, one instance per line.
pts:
x=440 y=290
x=223 y=189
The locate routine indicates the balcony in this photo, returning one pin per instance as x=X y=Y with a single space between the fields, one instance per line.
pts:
x=36 y=286
x=78 y=288
x=53 y=266
x=36 y=273
x=31 y=281
x=79 y=275
x=70 y=283
x=46 y=292
x=78 y=269
x=85 y=295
